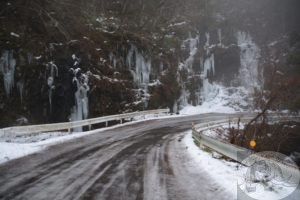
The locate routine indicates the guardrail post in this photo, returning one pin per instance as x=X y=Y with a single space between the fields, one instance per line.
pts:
x=4 y=132
x=8 y=132
x=197 y=136
x=106 y=124
x=121 y=121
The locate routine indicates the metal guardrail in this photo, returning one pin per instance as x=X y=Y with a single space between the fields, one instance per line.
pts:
x=226 y=149
x=31 y=129
x=237 y=153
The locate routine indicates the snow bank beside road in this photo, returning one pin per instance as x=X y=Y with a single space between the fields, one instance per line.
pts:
x=224 y=172
x=206 y=108
x=20 y=147
x=9 y=151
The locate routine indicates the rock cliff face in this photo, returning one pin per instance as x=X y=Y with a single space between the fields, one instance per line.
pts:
x=70 y=60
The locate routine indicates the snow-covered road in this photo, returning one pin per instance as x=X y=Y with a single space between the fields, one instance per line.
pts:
x=146 y=160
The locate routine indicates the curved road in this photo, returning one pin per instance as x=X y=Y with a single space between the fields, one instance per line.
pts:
x=146 y=160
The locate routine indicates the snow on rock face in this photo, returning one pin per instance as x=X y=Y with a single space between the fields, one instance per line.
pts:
x=221 y=100
x=7 y=67
x=249 y=57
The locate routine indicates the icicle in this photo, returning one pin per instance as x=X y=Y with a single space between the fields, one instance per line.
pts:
x=20 y=86
x=113 y=60
x=212 y=60
x=161 y=67
x=209 y=66
x=7 y=67
x=53 y=69
x=207 y=42
x=50 y=81
x=29 y=58
x=220 y=36
x=207 y=39
x=129 y=57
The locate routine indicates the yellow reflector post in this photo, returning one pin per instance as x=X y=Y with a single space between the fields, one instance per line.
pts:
x=253 y=143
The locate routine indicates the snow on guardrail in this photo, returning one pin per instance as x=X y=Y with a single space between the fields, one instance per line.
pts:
x=31 y=129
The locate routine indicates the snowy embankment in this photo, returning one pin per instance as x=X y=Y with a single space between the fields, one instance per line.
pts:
x=231 y=175
x=15 y=147
x=222 y=100
x=226 y=173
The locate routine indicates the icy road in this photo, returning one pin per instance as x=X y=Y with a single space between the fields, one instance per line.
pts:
x=146 y=160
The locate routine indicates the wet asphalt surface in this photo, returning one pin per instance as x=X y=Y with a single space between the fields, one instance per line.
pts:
x=145 y=160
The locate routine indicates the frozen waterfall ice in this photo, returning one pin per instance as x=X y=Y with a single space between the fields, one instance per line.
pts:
x=193 y=49
x=209 y=89
x=80 y=110
x=7 y=67
x=139 y=66
x=192 y=45
x=249 y=57
x=239 y=97
x=220 y=37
